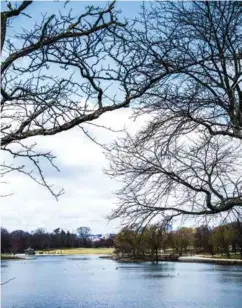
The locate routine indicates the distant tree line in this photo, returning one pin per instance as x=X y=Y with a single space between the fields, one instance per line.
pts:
x=18 y=240
x=149 y=242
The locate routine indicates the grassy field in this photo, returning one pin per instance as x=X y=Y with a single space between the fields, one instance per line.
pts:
x=10 y=257
x=78 y=251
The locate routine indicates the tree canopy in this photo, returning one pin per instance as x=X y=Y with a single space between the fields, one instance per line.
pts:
x=179 y=62
x=60 y=71
x=186 y=160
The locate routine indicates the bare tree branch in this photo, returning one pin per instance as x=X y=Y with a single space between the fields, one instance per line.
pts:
x=187 y=160
x=53 y=79
x=8 y=281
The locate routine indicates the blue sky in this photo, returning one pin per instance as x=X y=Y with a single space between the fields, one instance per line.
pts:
x=128 y=8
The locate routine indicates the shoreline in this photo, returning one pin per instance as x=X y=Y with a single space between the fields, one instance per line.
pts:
x=185 y=259
x=9 y=257
x=198 y=259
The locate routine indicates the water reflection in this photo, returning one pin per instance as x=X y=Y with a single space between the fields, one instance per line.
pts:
x=159 y=276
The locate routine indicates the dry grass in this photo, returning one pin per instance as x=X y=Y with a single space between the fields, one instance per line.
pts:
x=78 y=251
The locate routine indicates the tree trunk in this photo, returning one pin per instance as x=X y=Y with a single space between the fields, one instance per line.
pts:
x=226 y=250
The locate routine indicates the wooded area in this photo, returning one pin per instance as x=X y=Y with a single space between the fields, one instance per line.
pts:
x=17 y=241
x=151 y=241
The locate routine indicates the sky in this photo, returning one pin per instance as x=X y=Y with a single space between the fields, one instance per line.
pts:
x=89 y=193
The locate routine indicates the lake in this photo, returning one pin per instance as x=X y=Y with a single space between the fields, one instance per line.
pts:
x=89 y=282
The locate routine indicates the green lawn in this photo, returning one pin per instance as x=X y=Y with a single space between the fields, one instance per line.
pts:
x=5 y=256
x=79 y=251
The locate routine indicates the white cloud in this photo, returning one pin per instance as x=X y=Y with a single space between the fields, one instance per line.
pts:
x=88 y=197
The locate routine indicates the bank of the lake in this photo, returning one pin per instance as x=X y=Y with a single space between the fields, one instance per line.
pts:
x=76 y=251
x=108 y=253
x=213 y=260
x=189 y=259
x=60 y=252
x=11 y=257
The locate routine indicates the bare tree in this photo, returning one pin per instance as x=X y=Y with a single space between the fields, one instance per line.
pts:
x=58 y=73
x=187 y=159
x=84 y=235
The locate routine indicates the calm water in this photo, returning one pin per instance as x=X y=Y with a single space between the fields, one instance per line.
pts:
x=89 y=282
